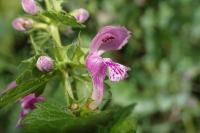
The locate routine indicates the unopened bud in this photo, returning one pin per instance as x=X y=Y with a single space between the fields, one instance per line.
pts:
x=44 y=63
x=22 y=24
x=81 y=15
x=30 y=6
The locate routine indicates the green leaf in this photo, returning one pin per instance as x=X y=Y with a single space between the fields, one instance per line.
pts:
x=83 y=88
x=122 y=122
x=48 y=116
x=126 y=125
x=107 y=98
x=51 y=117
x=61 y=18
x=29 y=80
x=41 y=40
x=9 y=96
x=76 y=54
x=27 y=70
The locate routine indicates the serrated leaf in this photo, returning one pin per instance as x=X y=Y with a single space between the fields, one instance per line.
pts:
x=51 y=117
x=61 y=18
x=25 y=70
x=9 y=96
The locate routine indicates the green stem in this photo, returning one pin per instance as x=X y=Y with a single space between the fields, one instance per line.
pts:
x=36 y=49
x=40 y=26
x=58 y=46
x=61 y=56
x=48 y=5
x=67 y=85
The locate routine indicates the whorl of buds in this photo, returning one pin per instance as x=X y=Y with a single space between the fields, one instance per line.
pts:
x=44 y=63
x=22 y=24
x=81 y=15
x=30 y=6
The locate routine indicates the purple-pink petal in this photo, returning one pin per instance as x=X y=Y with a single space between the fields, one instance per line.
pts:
x=22 y=24
x=81 y=15
x=116 y=71
x=110 y=38
x=22 y=114
x=30 y=6
x=97 y=68
x=45 y=63
x=27 y=104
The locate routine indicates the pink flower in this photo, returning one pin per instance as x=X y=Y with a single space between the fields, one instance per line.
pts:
x=109 y=38
x=81 y=15
x=30 y=6
x=44 y=63
x=28 y=104
x=22 y=24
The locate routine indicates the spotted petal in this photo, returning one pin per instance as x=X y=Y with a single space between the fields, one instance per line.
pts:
x=109 y=38
x=116 y=71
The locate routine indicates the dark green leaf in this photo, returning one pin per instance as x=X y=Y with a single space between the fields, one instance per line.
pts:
x=11 y=95
x=27 y=70
x=51 y=117
x=122 y=122
x=61 y=18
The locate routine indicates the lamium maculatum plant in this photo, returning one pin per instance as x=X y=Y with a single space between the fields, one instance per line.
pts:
x=79 y=71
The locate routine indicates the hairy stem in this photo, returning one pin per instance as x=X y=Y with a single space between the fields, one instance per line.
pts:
x=67 y=85
x=61 y=56
x=48 y=5
x=34 y=45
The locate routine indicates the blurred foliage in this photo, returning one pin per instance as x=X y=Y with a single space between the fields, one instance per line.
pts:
x=163 y=55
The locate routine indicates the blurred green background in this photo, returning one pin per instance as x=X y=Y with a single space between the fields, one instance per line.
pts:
x=163 y=54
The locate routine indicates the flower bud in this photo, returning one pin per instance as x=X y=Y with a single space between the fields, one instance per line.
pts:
x=22 y=24
x=81 y=15
x=44 y=63
x=30 y=6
